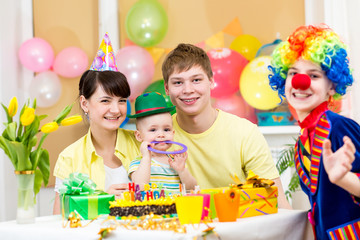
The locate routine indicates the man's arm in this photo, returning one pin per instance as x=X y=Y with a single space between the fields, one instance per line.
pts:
x=282 y=201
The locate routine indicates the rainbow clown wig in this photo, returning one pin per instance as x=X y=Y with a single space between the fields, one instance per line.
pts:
x=319 y=44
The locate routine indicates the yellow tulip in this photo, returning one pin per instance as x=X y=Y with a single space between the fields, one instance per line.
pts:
x=28 y=116
x=13 y=107
x=49 y=127
x=71 y=120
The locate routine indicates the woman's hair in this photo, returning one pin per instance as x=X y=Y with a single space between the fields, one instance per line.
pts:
x=184 y=57
x=113 y=83
x=319 y=44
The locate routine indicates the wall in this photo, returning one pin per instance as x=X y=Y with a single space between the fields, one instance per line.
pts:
x=75 y=23
x=62 y=25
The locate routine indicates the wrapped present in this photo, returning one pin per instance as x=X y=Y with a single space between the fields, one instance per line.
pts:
x=258 y=201
x=258 y=196
x=77 y=194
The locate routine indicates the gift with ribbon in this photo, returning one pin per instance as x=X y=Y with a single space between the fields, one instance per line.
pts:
x=78 y=195
x=258 y=196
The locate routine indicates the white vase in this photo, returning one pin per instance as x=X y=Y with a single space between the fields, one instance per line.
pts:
x=26 y=197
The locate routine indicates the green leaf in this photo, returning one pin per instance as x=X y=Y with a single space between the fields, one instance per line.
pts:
x=37 y=182
x=4 y=146
x=44 y=165
x=23 y=154
x=41 y=117
x=286 y=159
x=18 y=154
x=31 y=131
x=10 y=131
x=63 y=114
x=9 y=151
x=34 y=104
x=32 y=142
x=23 y=109
x=7 y=113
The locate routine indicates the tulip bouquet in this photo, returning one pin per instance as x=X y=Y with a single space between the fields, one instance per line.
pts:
x=19 y=139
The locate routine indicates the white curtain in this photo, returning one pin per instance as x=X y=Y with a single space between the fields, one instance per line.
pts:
x=343 y=17
x=16 y=18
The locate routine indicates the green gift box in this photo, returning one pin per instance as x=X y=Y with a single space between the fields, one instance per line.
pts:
x=78 y=195
x=87 y=206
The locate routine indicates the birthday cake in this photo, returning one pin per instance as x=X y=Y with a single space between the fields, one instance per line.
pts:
x=160 y=206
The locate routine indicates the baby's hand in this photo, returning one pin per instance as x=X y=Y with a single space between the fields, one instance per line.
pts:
x=338 y=164
x=178 y=162
x=144 y=148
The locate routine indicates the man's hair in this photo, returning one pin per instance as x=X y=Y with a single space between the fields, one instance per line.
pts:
x=184 y=57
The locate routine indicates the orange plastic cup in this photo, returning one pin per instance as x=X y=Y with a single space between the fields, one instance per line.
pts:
x=227 y=208
x=189 y=209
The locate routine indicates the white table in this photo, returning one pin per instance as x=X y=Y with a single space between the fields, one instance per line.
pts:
x=286 y=224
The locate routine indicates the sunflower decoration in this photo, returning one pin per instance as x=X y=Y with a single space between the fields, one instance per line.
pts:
x=231 y=194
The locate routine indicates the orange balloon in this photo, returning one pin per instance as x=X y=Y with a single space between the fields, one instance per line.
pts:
x=293 y=112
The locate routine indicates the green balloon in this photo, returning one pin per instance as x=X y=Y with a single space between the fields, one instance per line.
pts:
x=158 y=86
x=146 y=23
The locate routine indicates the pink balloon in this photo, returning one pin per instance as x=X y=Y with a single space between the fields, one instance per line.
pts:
x=36 y=54
x=71 y=62
x=236 y=105
x=227 y=66
x=138 y=66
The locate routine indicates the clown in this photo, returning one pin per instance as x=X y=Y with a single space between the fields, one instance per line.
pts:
x=309 y=69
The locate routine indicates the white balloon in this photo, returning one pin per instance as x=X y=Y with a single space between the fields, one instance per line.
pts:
x=46 y=88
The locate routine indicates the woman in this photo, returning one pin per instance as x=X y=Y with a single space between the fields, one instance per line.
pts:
x=105 y=152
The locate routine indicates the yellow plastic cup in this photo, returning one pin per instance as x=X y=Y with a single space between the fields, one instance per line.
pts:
x=189 y=209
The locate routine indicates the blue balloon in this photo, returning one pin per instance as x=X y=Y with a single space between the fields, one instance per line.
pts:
x=128 y=111
x=267 y=49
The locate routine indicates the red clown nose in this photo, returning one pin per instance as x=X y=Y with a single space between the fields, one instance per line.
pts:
x=301 y=81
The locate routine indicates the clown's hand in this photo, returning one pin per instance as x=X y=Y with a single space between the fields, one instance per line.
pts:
x=338 y=164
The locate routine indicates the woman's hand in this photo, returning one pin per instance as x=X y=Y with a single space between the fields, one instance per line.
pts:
x=117 y=189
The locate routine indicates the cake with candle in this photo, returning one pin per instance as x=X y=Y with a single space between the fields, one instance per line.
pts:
x=160 y=206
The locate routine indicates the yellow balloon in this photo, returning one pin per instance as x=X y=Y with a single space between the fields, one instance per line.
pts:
x=247 y=45
x=254 y=85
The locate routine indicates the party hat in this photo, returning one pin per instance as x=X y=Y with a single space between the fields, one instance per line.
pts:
x=105 y=57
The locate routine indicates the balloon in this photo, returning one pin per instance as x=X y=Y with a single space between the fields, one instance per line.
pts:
x=158 y=86
x=138 y=66
x=267 y=49
x=71 y=62
x=227 y=66
x=46 y=88
x=236 y=105
x=254 y=85
x=336 y=105
x=36 y=54
x=247 y=45
x=293 y=112
x=128 y=111
x=146 y=23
